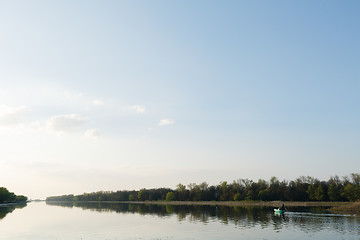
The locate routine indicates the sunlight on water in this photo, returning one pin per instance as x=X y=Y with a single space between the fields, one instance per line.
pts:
x=96 y=221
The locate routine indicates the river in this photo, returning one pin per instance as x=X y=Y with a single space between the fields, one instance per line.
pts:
x=115 y=221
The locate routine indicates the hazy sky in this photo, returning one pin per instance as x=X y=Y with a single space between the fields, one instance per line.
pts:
x=121 y=95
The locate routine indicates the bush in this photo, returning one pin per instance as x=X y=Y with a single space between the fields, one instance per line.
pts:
x=170 y=196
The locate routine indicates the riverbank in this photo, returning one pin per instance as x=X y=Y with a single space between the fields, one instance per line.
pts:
x=352 y=208
x=245 y=203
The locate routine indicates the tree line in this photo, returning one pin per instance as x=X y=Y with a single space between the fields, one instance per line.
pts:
x=9 y=197
x=301 y=189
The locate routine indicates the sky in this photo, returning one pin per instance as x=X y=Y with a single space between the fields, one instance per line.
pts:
x=123 y=95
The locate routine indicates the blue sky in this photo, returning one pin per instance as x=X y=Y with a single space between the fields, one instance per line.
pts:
x=110 y=95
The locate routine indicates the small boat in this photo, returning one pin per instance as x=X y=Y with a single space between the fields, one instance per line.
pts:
x=277 y=210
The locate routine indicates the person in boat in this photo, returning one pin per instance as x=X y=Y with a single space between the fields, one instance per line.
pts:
x=282 y=207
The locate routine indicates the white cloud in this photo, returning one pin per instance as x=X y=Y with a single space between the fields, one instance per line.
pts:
x=97 y=102
x=92 y=133
x=137 y=108
x=165 y=122
x=65 y=123
x=12 y=115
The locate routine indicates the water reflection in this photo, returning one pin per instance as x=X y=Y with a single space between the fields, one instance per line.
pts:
x=306 y=220
x=198 y=213
x=9 y=208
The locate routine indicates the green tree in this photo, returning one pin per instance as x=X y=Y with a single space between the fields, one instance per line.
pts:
x=320 y=193
x=181 y=192
x=9 y=197
x=333 y=193
x=335 y=189
x=263 y=189
x=352 y=192
x=195 y=192
x=223 y=191
x=5 y=195
x=274 y=189
x=131 y=197
x=170 y=196
x=250 y=195
x=180 y=187
x=141 y=195
x=355 y=178
x=237 y=197
x=262 y=195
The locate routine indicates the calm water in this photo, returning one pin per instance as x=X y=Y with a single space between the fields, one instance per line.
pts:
x=93 y=221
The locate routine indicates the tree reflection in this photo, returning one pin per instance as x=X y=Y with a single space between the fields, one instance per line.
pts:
x=198 y=213
x=9 y=208
x=306 y=220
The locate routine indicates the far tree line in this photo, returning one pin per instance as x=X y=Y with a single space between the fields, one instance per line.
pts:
x=301 y=189
x=9 y=197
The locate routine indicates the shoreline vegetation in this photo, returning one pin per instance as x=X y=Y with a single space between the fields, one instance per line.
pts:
x=340 y=195
x=8 y=198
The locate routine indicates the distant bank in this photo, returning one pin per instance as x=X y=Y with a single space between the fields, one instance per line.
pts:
x=302 y=189
x=7 y=197
x=242 y=203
